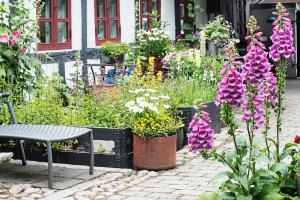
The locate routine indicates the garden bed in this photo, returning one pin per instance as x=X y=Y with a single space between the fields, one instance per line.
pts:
x=120 y=158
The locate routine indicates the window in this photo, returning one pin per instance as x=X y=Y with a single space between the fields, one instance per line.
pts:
x=107 y=18
x=55 y=25
x=184 y=23
x=146 y=9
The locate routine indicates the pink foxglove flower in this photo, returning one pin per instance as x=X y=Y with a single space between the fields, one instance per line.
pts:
x=4 y=38
x=253 y=107
x=201 y=136
x=268 y=88
x=282 y=37
x=231 y=89
x=257 y=66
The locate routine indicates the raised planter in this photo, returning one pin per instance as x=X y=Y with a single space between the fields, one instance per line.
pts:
x=157 y=153
x=297 y=177
x=187 y=114
x=120 y=158
x=180 y=138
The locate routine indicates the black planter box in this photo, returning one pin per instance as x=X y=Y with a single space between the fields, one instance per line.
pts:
x=187 y=114
x=121 y=158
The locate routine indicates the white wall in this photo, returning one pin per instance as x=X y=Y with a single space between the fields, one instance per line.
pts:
x=127 y=17
x=168 y=15
x=91 y=38
x=76 y=24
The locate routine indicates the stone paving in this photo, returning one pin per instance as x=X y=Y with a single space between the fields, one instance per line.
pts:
x=189 y=179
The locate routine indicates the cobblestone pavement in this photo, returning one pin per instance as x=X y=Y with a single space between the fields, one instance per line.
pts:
x=189 y=179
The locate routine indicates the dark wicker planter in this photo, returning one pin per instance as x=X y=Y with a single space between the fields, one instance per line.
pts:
x=121 y=158
x=297 y=177
x=180 y=138
x=187 y=113
x=157 y=153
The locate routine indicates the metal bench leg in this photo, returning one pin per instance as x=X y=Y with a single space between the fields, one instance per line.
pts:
x=91 y=172
x=22 y=153
x=50 y=167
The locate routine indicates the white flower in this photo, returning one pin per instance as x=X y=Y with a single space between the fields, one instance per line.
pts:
x=164 y=97
x=166 y=106
x=153 y=108
x=136 y=109
x=154 y=98
x=147 y=95
x=140 y=100
x=129 y=104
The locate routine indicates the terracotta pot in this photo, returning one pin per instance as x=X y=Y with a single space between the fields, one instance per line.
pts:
x=157 y=153
x=297 y=177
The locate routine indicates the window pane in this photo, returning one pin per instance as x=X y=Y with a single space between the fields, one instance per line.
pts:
x=113 y=29
x=101 y=30
x=145 y=23
x=182 y=12
x=144 y=7
x=100 y=8
x=62 y=11
x=155 y=5
x=62 y=32
x=113 y=8
x=46 y=12
x=45 y=32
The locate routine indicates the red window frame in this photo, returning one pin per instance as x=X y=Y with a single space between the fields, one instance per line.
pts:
x=107 y=18
x=54 y=20
x=150 y=10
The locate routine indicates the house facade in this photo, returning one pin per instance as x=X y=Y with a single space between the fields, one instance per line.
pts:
x=69 y=26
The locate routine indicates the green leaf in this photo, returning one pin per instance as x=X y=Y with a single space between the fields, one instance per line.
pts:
x=273 y=196
x=227 y=196
x=281 y=167
x=8 y=54
x=209 y=196
x=242 y=197
x=2 y=72
x=220 y=178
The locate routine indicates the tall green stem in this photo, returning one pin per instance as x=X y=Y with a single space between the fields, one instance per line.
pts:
x=281 y=82
x=267 y=127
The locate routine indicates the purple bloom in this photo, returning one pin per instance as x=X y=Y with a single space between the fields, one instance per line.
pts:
x=201 y=136
x=253 y=107
x=268 y=88
x=257 y=65
x=231 y=89
x=282 y=37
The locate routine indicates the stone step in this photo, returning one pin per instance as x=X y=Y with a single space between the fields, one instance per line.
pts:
x=5 y=157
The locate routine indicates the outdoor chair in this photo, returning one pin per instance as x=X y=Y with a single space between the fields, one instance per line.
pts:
x=43 y=133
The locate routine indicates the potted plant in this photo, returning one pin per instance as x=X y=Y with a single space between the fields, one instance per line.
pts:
x=115 y=51
x=154 y=43
x=154 y=129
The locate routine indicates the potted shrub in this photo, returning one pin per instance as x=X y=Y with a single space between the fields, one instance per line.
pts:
x=154 y=43
x=115 y=51
x=154 y=129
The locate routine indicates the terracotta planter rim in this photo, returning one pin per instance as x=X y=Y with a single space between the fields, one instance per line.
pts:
x=156 y=136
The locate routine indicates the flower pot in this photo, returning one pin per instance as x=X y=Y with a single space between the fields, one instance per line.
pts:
x=157 y=153
x=180 y=137
x=297 y=177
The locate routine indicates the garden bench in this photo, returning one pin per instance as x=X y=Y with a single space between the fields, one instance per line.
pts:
x=43 y=133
